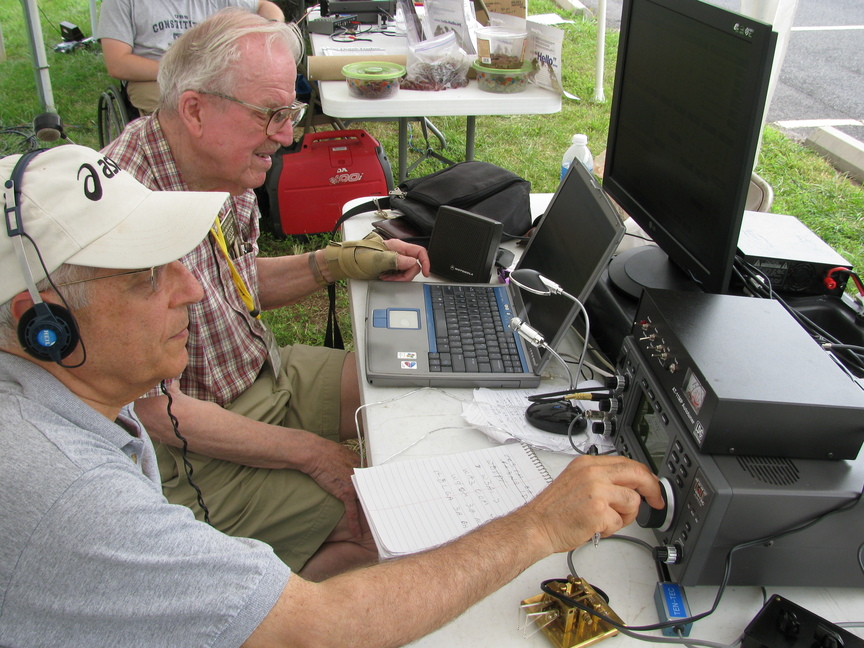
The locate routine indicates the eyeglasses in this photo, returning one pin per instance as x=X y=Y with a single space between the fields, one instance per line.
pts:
x=156 y=273
x=276 y=117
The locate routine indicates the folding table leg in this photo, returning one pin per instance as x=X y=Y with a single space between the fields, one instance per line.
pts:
x=403 y=148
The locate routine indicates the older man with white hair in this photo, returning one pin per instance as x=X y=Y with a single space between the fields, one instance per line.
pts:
x=265 y=424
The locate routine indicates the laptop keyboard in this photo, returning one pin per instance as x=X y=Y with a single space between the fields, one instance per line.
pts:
x=470 y=334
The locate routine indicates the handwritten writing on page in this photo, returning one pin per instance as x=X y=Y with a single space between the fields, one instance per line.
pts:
x=419 y=504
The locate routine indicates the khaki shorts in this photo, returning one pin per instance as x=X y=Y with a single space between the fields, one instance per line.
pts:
x=144 y=95
x=284 y=508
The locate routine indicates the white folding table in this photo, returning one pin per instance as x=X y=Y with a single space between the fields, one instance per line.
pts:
x=404 y=105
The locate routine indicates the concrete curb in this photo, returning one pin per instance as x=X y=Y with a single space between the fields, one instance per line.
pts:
x=575 y=6
x=844 y=152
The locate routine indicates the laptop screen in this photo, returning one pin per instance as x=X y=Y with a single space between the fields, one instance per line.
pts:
x=580 y=231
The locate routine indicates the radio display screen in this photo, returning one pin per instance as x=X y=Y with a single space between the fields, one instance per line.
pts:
x=650 y=432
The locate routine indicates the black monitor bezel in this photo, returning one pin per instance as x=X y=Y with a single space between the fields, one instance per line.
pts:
x=715 y=276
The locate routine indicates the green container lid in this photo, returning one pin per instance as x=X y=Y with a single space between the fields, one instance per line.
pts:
x=373 y=70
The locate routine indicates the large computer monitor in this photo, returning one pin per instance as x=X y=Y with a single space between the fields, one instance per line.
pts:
x=687 y=110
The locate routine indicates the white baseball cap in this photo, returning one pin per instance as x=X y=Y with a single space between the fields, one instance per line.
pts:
x=80 y=208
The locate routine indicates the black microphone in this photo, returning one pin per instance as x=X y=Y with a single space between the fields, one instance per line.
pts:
x=49 y=128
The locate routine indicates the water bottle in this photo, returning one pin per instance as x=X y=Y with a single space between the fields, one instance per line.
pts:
x=578 y=151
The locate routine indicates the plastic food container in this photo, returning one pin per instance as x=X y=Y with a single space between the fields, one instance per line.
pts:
x=502 y=81
x=501 y=47
x=373 y=79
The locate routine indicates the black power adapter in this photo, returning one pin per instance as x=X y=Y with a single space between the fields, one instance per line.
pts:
x=783 y=624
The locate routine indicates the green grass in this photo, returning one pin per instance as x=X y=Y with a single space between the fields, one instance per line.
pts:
x=807 y=187
x=77 y=78
x=804 y=184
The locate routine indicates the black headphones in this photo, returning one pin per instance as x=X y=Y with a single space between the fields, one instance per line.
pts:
x=46 y=331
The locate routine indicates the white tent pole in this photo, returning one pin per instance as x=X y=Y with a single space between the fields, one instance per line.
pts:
x=780 y=14
x=37 y=53
x=93 y=18
x=601 y=51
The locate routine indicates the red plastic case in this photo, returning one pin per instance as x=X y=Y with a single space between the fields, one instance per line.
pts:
x=308 y=184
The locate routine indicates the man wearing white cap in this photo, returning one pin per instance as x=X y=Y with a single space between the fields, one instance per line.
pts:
x=91 y=553
x=85 y=531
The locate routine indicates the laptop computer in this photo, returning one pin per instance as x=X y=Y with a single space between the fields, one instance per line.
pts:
x=571 y=245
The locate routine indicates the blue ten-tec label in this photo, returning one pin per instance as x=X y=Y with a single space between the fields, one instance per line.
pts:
x=676 y=605
x=671 y=605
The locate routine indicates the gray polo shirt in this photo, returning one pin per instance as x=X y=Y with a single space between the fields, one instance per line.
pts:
x=91 y=553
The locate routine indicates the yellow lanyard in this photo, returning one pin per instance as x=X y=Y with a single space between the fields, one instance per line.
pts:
x=242 y=290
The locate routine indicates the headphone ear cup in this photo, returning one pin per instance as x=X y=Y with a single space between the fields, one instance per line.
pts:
x=48 y=332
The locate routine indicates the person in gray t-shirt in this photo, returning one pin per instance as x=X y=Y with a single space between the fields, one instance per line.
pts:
x=136 y=33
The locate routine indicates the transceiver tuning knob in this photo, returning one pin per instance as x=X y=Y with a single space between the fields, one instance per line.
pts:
x=652 y=518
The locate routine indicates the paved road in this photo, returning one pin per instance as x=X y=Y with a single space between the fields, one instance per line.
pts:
x=823 y=74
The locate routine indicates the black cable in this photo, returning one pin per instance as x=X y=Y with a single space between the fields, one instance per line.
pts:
x=387 y=17
x=637 y=541
x=600 y=592
x=662 y=569
x=849 y=358
x=48 y=20
x=28 y=140
x=545 y=587
x=539 y=398
x=663 y=574
x=62 y=298
x=753 y=270
x=187 y=465
x=587 y=371
x=847 y=347
x=861 y=557
x=638 y=236
x=411 y=145
x=592 y=449
x=573 y=422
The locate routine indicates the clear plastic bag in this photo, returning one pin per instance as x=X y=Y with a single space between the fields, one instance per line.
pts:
x=437 y=64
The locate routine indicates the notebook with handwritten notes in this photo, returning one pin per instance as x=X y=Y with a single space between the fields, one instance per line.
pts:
x=419 y=504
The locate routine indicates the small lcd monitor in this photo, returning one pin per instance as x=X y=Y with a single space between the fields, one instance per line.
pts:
x=687 y=109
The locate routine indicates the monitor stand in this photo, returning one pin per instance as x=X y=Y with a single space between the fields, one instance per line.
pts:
x=612 y=304
x=647 y=267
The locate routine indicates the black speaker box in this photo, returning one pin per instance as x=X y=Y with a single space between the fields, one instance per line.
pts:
x=463 y=245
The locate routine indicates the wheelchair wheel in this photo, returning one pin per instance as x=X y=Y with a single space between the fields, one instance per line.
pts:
x=112 y=115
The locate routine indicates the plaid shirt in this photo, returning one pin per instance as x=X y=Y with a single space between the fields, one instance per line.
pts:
x=227 y=347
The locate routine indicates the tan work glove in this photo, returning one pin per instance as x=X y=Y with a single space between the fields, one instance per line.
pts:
x=366 y=259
